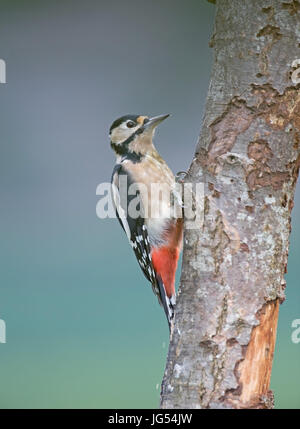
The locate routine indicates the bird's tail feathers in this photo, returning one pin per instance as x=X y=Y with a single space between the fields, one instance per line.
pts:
x=167 y=303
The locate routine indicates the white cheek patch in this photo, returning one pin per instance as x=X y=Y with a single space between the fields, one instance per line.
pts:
x=121 y=133
x=123 y=126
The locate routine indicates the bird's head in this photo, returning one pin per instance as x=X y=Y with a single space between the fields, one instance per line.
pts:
x=133 y=133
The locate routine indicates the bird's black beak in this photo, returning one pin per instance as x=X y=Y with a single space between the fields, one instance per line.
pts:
x=153 y=122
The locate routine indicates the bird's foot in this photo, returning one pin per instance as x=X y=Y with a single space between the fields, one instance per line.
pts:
x=180 y=176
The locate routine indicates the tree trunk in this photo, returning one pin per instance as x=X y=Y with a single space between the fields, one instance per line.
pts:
x=248 y=156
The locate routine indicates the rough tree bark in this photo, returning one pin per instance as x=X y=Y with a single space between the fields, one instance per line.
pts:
x=248 y=157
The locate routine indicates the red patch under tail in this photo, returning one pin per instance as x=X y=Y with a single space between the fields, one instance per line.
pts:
x=165 y=263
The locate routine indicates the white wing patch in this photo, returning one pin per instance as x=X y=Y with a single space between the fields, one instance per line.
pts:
x=121 y=211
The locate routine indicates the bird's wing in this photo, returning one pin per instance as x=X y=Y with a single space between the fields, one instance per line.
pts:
x=137 y=233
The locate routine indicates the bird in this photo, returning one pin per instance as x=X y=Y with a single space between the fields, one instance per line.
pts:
x=155 y=232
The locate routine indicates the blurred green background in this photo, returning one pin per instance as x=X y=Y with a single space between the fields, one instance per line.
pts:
x=83 y=328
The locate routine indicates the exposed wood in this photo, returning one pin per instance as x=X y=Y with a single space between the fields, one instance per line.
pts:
x=254 y=371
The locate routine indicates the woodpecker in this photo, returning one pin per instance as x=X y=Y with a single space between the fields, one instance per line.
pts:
x=156 y=233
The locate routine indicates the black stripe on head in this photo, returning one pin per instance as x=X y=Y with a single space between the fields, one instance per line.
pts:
x=125 y=118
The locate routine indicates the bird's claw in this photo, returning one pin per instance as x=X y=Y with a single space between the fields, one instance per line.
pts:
x=180 y=176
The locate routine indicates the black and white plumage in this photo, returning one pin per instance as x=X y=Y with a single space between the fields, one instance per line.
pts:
x=155 y=242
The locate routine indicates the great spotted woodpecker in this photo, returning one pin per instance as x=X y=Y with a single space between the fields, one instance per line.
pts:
x=155 y=230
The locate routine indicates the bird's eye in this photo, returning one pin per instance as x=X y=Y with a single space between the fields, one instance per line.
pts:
x=130 y=124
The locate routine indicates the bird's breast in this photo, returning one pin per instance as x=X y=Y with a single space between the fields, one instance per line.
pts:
x=156 y=184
